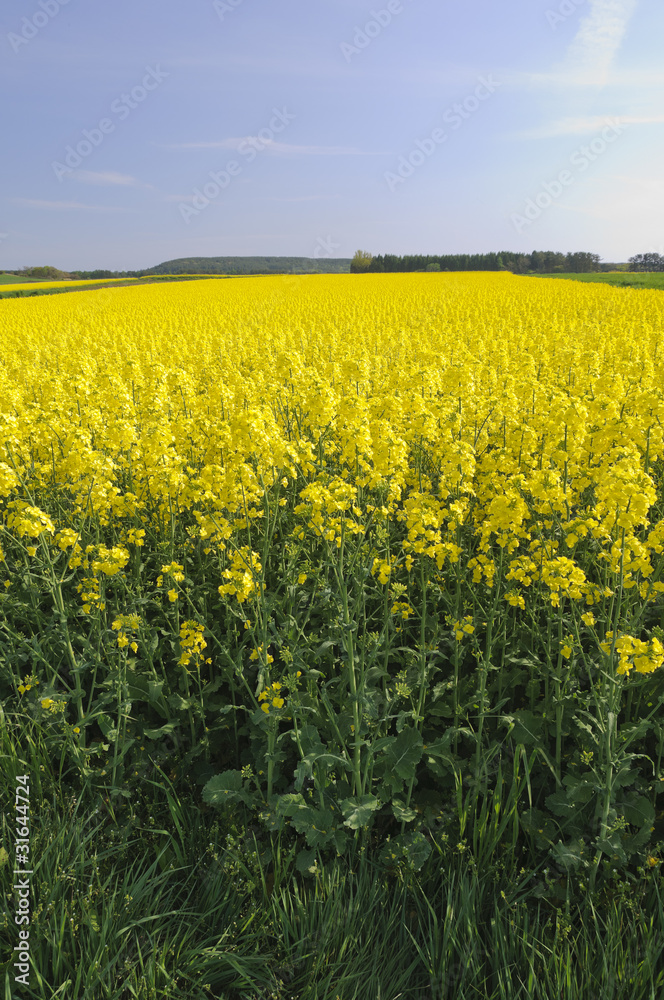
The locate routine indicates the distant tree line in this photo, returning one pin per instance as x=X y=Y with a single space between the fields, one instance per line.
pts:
x=252 y=265
x=646 y=262
x=541 y=261
x=55 y=274
x=105 y=274
x=205 y=265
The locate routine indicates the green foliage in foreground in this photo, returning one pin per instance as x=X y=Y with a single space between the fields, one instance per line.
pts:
x=157 y=898
x=623 y=279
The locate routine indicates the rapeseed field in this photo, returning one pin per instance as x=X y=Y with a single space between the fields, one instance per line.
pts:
x=358 y=558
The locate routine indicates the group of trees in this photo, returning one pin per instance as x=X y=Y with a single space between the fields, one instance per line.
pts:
x=252 y=265
x=55 y=274
x=47 y=272
x=646 y=262
x=540 y=261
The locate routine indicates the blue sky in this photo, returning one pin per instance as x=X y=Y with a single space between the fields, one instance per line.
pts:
x=136 y=132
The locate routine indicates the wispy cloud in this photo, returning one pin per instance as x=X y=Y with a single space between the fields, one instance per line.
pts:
x=587 y=125
x=105 y=179
x=590 y=56
x=244 y=143
x=63 y=206
x=599 y=38
x=306 y=197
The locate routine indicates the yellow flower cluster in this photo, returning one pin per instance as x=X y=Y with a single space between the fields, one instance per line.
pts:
x=27 y=521
x=483 y=426
x=271 y=696
x=324 y=503
x=644 y=657
x=243 y=574
x=463 y=628
x=27 y=684
x=110 y=561
x=54 y=706
x=125 y=625
x=192 y=644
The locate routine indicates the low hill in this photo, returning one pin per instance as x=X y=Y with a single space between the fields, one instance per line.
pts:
x=253 y=265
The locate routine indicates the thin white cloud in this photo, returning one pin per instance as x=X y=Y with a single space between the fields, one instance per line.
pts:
x=589 y=59
x=109 y=179
x=598 y=40
x=306 y=197
x=245 y=143
x=178 y=197
x=587 y=125
x=63 y=206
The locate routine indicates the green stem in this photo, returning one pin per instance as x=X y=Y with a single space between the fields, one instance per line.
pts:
x=352 y=679
x=423 y=671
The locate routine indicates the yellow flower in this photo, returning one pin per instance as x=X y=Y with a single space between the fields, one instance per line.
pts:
x=172 y=596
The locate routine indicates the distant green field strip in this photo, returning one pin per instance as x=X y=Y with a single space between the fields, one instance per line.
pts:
x=91 y=287
x=622 y=279
x=13 y=279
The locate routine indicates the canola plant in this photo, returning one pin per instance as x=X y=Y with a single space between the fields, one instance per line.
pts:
x=486 y=418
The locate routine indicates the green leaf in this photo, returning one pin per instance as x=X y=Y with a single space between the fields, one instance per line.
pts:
x=578 y=792
x=525 y=726
x=315 y=824
x=305 y=768
x=405 y=753
x=403 y=812
x=107 y=727
x=181 y=704
x=625 y=776
x=305 y=862
x=224 y=788
x=413 y=848
x=358 y=811
x=154 y=734
x=287 y=805
x=639 y=811
x=612 y=847
x=572 y=855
